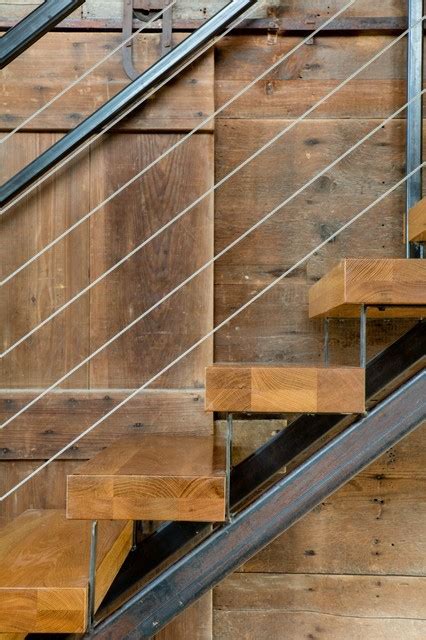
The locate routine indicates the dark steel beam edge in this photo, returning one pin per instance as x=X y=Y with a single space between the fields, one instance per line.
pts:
x=122 y=101
x=389 y=24
x=33 y=27
x=407 y=354
x=414 y=136
x=268 y=516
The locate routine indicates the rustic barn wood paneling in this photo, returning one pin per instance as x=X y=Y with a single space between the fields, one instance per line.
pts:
x=277 y=328
x=319 y=606
x=158 y=267
x=52 y=279
x=307 y=75
x=60 y=58
x=53 y=421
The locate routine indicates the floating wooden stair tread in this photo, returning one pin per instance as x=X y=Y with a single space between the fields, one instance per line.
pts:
x=417 y=222
x=44 y=570
x=152 y=477
x=285 y=389
x=396 y=286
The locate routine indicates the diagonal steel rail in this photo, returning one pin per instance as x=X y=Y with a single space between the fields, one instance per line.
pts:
x=269 y=515
x=33 y=27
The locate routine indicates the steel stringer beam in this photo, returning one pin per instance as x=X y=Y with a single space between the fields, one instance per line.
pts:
x=33 y=27
x=277 y=509
x=398 y=362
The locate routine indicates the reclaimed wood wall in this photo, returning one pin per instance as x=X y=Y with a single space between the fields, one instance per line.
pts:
x=355 y=568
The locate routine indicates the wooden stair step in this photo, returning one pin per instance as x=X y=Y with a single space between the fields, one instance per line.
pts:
x=417 y=222
x=44 y=570
x=152 y=477
x=396 y=285
x=285 y=389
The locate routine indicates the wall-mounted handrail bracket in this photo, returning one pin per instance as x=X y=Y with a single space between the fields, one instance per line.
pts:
x=145 y=10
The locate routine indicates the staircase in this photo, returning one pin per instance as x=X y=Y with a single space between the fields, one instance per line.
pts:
x=79 y=571
x=45 y=556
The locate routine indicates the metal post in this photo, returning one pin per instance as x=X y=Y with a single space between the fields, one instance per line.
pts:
x=92 y=572
x=229 y=439
x=326 y=342
x=414 y=115
x=363 y=336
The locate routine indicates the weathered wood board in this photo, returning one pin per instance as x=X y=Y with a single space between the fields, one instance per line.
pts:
x=308 y=74
x=277 y=328
x=59 y=417
x=374 y=525
x=314 y=606
x=61 y=58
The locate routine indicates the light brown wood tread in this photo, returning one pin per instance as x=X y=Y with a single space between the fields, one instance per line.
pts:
x=152 y=477
x=285 y=389
x=417 y=222
x=44 y=570
x=396 y=288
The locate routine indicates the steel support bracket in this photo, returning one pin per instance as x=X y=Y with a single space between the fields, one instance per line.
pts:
x=145 y=10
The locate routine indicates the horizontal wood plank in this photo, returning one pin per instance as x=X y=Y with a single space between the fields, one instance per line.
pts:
x=307 y=75
x=53 y=421
x=333 y=595
x=152 y=477
x=61 y=58
x=290 y=607
x=48 y=592
x=287 y=389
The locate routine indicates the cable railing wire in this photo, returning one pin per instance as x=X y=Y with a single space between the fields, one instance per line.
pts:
x=128 y=111
x=202 y=124
x=77 y=81
x=201 y=269
x=211 y=190
x=211 y=333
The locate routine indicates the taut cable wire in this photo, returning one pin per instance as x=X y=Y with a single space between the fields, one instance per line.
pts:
x=130 y=110
x=208 y=335
x=74 y=83
x=176 y=145
x=197 y=201
x=203 y=267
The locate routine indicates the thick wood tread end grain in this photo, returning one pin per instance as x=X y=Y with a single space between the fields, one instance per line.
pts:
x=285 y=389
x=398 y=285
x=44 y=570
x=152 y=477
x=417 y=222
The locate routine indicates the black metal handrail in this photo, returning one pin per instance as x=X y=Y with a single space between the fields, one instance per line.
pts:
x=397 y=363
x=33 y=27
x=145 y=84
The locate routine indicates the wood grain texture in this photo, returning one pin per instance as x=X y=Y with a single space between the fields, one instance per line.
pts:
x=51 y=280
x=302 y=606
x=399 y=596
x=374 y=525
x=287 y=389
x=152 y=477
x=307 y=75
x=278 y=328
x=417 y=222
x=56 y=419
x=159 y=267
x=44 y=570
x=60 y=58
x=356 y=281
x=195 y=623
